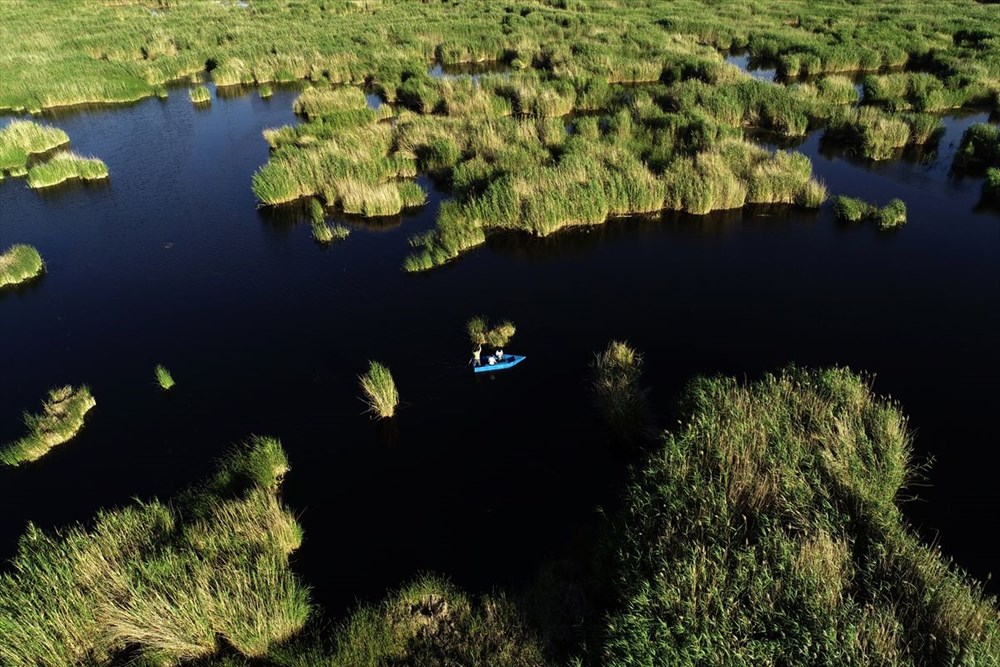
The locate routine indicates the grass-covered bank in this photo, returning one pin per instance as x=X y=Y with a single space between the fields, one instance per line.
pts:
x=765 y=529
x=20 y=263
x=61 y=418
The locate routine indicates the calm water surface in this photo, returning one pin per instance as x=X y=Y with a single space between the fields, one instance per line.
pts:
x=480 y=478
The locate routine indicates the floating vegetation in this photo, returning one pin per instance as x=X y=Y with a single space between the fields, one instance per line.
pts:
x=379 y=390
x=20 y=263
x=792 y=479
x=200 y=95
x=61 y=418
x=164 y=582
x=890 y=216
x=163 y=377
x=22 y=138
x=66 y=166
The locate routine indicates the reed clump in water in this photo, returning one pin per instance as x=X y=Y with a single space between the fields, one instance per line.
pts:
x=379 y=390
x=61 y=418
x=480 y=332
x=890 y=216
x=66 y=166
x=980 y=146
x=200 y=95
x=22 y=138
x=163 y=377
x=991 y=186
x=20 y=263
x=623 y=402
x=266 y=91
x=166 y=582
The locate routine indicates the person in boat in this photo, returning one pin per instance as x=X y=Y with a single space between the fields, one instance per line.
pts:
x=476 y=361
x=499 y=355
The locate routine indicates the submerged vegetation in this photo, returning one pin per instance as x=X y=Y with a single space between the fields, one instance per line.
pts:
x=66 y=166
x=61 y=418
x=617 y=372
x=23 y=138
x=379 y=390
x=773 y=506
x=19 y=263
x=890 y=216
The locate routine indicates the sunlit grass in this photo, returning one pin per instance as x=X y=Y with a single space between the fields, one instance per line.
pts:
x=379 y=390
x=66 y=166
x=61 y=418
x=163 y=377
x=18 y=264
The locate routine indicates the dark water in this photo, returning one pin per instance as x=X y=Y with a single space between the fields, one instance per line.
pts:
x=480 y=478
x=760 y=70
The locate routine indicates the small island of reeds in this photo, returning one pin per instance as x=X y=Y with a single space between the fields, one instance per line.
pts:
x=61 y=418
x=20 y=263
x=890 y=216
x=379 y=391
x=66 y=166
x=200 y=95
x=163 y=377
x=23 y=138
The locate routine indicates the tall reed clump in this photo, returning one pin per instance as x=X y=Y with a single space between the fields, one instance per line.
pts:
x=163 y=377
x=616 y=375
x=379 y=390
x=991 y=186
x=200 y=95
x=890 y=216
x=481 y=333
x=162 y=582
x=66 y=166
x=431 y=622
x=314 y=102
x=61 y=418
x=980 y=146
x=20 y=263
x=22 y=138
x=266 y=91
x=773 y=504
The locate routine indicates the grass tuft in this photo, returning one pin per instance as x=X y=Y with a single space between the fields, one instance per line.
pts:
x=200 y=95
x=379 y=390
x=20 y=263
x=891 y=216
x=163 y=377
x=22 y=138
x=66 y=166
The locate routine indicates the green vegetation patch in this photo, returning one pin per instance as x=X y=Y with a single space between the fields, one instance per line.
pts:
x=980 y=146
x=66 y=166
x=163 y=377
x=200 y=95
x=890 y=216
x=22 y=138
x=162 y=582
x=61 y=418
x=765 y=530
x=379 y=390
x=616 y=376
x=991 y=186
x=20 y=263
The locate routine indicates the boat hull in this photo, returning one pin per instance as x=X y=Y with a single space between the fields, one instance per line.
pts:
x=509 y=361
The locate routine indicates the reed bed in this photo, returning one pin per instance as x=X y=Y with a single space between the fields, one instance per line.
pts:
x=66 y=166
x=316 y=102
x=773 y=504
x=379 y=391
x=22 y=138
x=616 y=375
x=163 y=377
x=20 y=263
x=980 y=146
x=890 y=216
x=164 y=583
x=61 y=418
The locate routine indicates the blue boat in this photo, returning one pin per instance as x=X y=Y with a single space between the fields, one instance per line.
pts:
x=508 y=361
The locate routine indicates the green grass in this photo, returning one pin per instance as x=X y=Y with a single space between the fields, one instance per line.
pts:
x=765 y=529
x=266 y=91
x=480 y=332
x=991 y=186
x=21 y=138
x=200 y=95
x=890 y=216
x=379 y=390
x=61 y=418
x=66 y=166
x=20 y=263
x=980 y=146
x=325 y=233
x=162 y=582
x=314 y=102
x=163 y=377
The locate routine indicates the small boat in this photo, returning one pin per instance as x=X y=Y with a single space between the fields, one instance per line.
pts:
x=508 y=361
